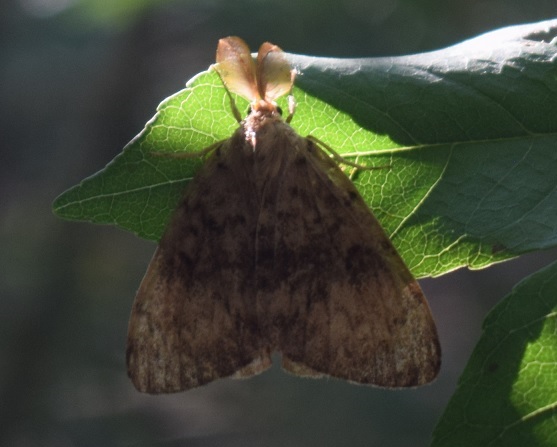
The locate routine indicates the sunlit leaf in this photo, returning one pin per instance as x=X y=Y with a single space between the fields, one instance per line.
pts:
x=468 y=134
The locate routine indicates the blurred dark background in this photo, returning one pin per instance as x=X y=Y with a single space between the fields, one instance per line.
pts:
x=78 y=79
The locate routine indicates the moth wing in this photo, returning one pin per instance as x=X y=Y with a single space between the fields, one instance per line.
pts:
x=236 y=68
x=274 y=73
x=354 y=310
x=194 y=316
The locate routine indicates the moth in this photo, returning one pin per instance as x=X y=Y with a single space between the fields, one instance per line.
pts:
x=272 y=249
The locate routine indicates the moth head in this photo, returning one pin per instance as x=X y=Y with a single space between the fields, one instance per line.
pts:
x=261 y=80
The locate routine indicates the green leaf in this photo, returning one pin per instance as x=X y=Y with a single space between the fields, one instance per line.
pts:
x=469 y=135
x=507 y=395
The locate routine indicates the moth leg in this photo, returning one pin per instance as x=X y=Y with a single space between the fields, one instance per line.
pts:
x=340 y=159
x=353 y=172
x=291 y=108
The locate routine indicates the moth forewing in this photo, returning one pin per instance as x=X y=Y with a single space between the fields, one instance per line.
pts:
x=194 y=318
x=380 y=329
x=337 y=298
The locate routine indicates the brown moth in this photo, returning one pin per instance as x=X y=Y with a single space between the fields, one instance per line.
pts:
x=272 y=248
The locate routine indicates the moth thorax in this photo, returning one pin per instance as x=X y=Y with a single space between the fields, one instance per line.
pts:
x=258 y=116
